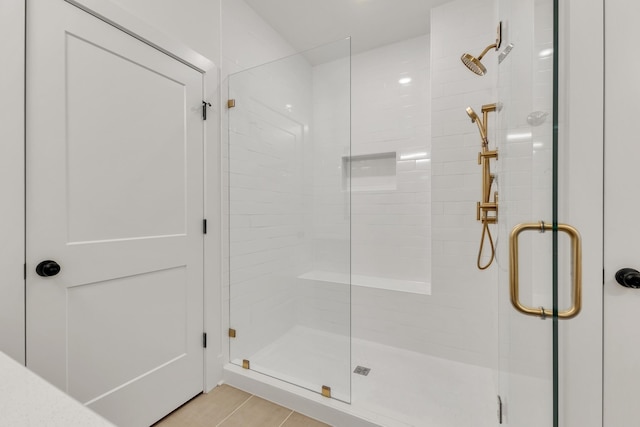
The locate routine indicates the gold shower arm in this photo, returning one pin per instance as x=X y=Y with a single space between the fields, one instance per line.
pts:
x=487 y=49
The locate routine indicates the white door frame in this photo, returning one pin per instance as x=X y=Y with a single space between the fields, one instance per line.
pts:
x=12 y=250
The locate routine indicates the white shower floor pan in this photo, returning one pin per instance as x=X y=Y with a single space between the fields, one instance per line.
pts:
x=403 y=388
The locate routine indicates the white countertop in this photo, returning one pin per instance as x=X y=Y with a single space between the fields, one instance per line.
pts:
x=28 y=400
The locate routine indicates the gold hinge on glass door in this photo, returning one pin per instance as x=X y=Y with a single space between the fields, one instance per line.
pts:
x=576 y=249
x=326 y=391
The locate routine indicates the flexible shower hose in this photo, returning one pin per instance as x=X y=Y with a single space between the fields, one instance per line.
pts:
x=486 y=233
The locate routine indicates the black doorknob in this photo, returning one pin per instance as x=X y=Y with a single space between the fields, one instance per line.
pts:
x=628 y=277
x=48 y=268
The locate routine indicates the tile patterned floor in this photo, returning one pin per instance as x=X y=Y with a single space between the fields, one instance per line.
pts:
x=225 y=406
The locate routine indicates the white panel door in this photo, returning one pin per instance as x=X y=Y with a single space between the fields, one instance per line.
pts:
x=622 y=203
x=115 y=197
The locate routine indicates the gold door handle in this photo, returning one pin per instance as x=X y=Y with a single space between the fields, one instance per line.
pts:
x=576 y=249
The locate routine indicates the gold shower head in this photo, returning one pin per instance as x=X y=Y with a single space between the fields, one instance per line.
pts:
x=475 y=63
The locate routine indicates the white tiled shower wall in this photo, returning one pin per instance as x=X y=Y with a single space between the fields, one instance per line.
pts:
x=247 y=41
x=391 y=227
x=286 y=218
x=457 y=321
x=458 y=27
x=270 y=199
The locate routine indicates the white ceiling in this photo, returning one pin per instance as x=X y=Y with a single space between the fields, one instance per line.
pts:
x=370 y=23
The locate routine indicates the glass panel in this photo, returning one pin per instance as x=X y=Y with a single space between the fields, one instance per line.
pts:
x=289 y=235
x=526 y=177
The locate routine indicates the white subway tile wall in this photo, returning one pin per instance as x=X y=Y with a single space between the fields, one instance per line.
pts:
x=470 y=331
x=391 y=221
x=458 y=320
x=246 y=41
x=267 y=147
x=287 y=212
x=395 y=232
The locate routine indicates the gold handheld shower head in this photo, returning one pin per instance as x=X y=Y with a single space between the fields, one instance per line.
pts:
x=475 y=63
x=475 y=119
x=472 y=114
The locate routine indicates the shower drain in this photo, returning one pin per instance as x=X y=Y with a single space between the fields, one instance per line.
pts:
x=361 y=370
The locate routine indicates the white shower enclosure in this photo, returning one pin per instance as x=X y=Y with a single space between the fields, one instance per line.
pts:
x=333 y=156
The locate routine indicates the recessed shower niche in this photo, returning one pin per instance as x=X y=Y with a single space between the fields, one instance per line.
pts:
x=369 y=172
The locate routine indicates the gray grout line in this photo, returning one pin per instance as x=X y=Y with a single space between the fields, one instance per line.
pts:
x=285 y=420
x=234 y=411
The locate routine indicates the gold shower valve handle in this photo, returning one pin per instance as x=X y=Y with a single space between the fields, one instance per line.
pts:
x=483 y=209
x=514 y=285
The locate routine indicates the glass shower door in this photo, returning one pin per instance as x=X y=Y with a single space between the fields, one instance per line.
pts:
x=539 y=257
x=289 y=219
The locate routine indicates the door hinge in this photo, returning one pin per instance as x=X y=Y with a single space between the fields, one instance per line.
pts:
x=231 y=103
x=499 y=410
x=204 y=340
x=205 y=104
x=204 y=226
x=25 y=271
x=232 y=333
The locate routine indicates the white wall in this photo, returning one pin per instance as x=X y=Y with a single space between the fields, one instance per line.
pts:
x=246 y=40
x=193 y=22
x=391 y=204
x=12 y=328
x=391 y=209
x=464 y=297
